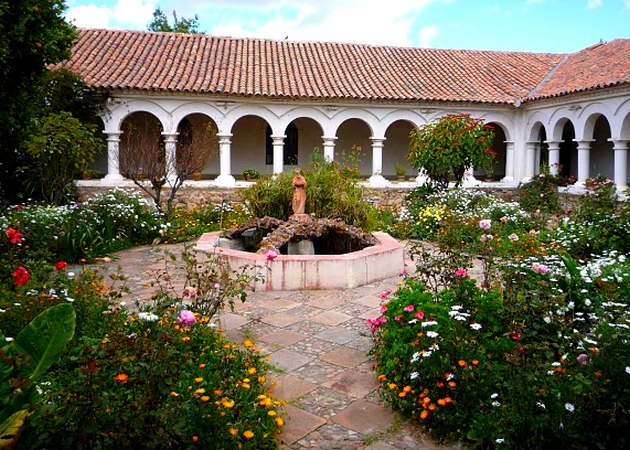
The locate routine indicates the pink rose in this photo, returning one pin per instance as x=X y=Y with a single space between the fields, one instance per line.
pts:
x=408 y=308
x=186 y=318
x=485 y=224
x=271 y=255
x=461 y=272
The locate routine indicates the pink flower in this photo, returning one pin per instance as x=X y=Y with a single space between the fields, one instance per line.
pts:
x=513 y=237
x=385 y=294
x=403 y=273
x=485 y=224
x=397 y=318
x=189 y=293
x=419 y=315
x=271 y=255
x=383 y=308
x=461 y=272
x=540 y=268
x=376 y=323
x=486 y=237
x=582 y=359
x=515 y=335
x=186 y=318
x=408 y=308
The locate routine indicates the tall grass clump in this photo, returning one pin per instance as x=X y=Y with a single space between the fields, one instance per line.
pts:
x=330 y=193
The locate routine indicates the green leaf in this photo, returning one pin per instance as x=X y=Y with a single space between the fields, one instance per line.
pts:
x=43 y=340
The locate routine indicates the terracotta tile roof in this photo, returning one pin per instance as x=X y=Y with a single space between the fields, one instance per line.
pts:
x=599 y=66
x=133 y=60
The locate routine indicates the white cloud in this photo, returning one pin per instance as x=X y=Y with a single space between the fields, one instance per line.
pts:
x=131 y=14
x=89 y=16
x=426 y=34
x=592 y=4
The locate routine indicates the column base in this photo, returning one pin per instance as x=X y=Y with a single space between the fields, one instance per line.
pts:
x=470 y=181
x=378 y=181
x=422 y=179
x=225 y=181
x=113 y=177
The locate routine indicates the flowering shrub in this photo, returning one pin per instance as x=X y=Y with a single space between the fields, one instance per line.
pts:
x=154 y=382
x=450 y=145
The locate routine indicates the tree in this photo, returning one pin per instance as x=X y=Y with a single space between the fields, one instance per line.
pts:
x=449 y=146
x=142 y=158
x=160 y=23
x=33 y=35
x=60 y=149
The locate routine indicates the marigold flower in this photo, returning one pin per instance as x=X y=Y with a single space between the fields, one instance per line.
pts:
x=248 y=343
x=440 y=384
x=381 y=377
x=248 y=434
x=200 y=391
x=441 y=402
x=204 y=398
x=185 y=338
x=402 y=394
x=198 y=380
x=424 y=414
x=448 y=400
x=202 y=366
x=462 y=363
x=452 y=384
x=475 y=362
x=392 y=386
x=251 y=370
x=194 y=438
x=227 y=403
x=272 y=413
x=121 y=378
x=233 y=431
x=279 y=421
x=432 y=407
x=218 y=392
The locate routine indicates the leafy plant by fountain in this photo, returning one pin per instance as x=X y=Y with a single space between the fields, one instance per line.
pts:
x=330 y=195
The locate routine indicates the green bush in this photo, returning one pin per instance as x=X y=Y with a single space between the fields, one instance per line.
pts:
x=540 y=194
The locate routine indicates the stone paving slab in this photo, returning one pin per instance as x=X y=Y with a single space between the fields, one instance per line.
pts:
x=332 y=317
x=344 y=356
x=353 y=382
x=289 y=387
x=298 y=424
x=280 y=319
x=288 y=360
x=365 y=417
x=283 y=338
x=338 y=336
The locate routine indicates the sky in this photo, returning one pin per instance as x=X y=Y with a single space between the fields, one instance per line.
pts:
x=545 y=26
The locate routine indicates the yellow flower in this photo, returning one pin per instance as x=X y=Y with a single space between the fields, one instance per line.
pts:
x=198 y=380
x=233 y=431
x=227 y=403
x=248 y=434
x=174 y=394
x=279 y=421
x=205 y=398
x=271 y=413
x=185 y=338
x=248 y=343
x=251 y=370
x=262 y=379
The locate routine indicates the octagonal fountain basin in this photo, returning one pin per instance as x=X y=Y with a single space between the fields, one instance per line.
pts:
x=299 y=272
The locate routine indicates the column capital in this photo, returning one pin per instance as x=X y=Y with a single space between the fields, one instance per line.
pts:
x=619 y=144
x=224 y=138
x=583 y=145
x=169 y=137
x=553 y=144
x=113 y=135
x=329 y=140
x=377 y=141
x=278 y=139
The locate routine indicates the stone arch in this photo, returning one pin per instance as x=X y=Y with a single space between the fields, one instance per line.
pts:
x=309 y=138
x=197 y=144
x=212 y=112
x=411 y=116
x=601 y=159
x=564 y=133
x=368 y=117
x=396 y=147
x=141 y=148
x=249 y=144
x=499 y=146
x=354 y=147
x=120 y=110
x=236 y=113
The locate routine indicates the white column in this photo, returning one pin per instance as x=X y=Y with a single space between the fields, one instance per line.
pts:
x=225 y=178
x=469 y=180
x=278 y=153
x=620 y=147
x=531 y=147
x=421 y=178
x=554 y=156
x=377 y=179
x=170 y=149
x=584 y=161
x=329 y=147
x=113 y=148
x=509 y=161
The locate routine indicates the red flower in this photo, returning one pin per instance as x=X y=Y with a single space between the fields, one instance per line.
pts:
x=61 y=265
x=21 y=276
x=14 y=236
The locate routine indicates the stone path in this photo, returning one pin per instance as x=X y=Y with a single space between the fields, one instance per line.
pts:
x=318 y=340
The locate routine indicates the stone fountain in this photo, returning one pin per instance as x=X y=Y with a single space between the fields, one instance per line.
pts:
x=311 y=253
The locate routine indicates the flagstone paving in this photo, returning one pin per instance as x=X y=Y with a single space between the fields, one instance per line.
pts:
x=318 y=342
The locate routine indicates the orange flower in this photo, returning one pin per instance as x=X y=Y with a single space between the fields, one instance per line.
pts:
x=279 y=421
x=392 y=386
x=202 y=366
x=440 y=384
x=448 y=400
x=382 y=377
x=198 y=380
x=402 y=394
x=185 y=338
x=194 y=438
x=121 y=377
x=248 y=343
x=431 y=407
x=205 y=398
x=475 y=362
x=598 y=374
x=248 y=434
x=452 y=384
x=424 y=414
x=441 y=402
x=462 y=363
x=233 y=431
x=251 y=370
